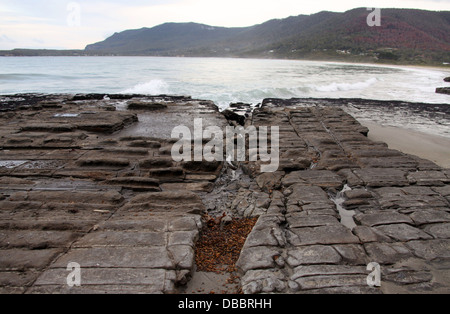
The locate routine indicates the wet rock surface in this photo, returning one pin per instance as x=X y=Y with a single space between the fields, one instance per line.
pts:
x=398 y=203
x=90 y=179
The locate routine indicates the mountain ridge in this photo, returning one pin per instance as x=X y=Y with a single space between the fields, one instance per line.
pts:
x=405 y=36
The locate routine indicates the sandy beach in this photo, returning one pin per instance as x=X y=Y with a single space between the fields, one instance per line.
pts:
x=431 y=147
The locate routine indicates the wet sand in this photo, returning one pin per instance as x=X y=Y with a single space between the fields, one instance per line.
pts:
x=431 y=147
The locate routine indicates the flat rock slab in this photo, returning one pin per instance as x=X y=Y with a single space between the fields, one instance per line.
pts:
x=169 y=222
x=332 y=234
x=322 y=178
x=122 y=238
x=403 y=232
x=380 y=177
x=36 y=239
x=300 y=221
x=423 y=217
x=107 y=276
x=387 y=253
x=106 y=197
x=19 y=259
x=320 y=282
x=310 y=255
x=413 y=197
x=431 y=250
x=121 y=257
x=166 y=202
x=383 y=218
x=438 y=231
x=428 y=178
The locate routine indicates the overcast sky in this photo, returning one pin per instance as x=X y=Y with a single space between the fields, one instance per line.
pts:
x=67 y=24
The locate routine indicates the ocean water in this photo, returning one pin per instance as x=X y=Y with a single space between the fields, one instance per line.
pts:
x=225 y=80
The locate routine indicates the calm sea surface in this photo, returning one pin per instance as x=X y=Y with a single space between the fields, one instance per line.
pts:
x=221 y=80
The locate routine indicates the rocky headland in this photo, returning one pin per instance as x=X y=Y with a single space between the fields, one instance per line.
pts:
x=90 y=179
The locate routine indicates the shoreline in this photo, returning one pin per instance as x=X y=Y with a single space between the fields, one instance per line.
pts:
x=325 y=60
x=432 y=147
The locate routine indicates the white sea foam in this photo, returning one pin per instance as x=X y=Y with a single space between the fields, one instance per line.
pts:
x=153 y=87
x=339 y=87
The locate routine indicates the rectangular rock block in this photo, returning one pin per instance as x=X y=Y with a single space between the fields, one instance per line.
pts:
x=331 y=234
x=312 y=255
x=33 y=239
x=320 y=282
x=99 y=197
x=381 y=177
x=108 y=276
x=118 y=257
x=122 y=238
x=14 y=259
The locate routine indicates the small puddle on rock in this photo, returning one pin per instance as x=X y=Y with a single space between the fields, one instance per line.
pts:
x=346 y=215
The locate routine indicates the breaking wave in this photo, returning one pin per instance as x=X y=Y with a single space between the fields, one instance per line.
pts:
x=153 y=87
x=338 y=87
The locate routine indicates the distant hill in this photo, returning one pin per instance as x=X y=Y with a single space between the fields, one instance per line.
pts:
x=405 y=36
x=168 y=38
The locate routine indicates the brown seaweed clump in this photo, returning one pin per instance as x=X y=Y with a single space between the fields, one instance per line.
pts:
x=220 y=245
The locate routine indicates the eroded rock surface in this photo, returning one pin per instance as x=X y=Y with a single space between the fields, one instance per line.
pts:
x=399 y=205
x=89 y=179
